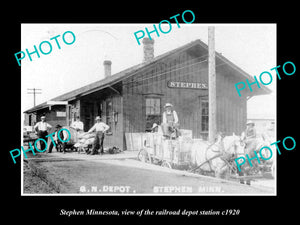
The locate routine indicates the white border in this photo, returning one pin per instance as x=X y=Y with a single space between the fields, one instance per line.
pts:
x=154 y=194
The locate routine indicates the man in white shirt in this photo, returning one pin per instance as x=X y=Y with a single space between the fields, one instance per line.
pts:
x=170 y=123
x=100 y=128
x=41 y=129
x=77 y=125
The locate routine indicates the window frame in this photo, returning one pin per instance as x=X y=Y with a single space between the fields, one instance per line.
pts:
x=204 y=100
x=156 y=114
x=108 y=113
x=159 y=106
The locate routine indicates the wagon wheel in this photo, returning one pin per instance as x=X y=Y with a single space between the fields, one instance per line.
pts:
x=166 y=164
x=144 y=156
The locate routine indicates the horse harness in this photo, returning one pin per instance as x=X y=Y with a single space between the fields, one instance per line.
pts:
x=222 y=154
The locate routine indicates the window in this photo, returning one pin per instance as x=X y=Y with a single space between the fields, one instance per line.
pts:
x=153 y=112
x=109 y=112
x=204 y=114
x=152 y=106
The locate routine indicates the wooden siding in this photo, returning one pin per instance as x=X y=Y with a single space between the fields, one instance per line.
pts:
x=152 y=81
x=185 y=66
x=51 y=116
x=116 y=139
x=231 y=109
x=94 y=104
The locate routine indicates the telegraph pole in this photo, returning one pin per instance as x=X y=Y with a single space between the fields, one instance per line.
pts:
x=34 y=92
x=212 y=100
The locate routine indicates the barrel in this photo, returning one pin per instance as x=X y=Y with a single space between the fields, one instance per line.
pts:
x=74 y=135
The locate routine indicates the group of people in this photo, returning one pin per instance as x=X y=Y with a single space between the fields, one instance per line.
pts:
x=170 y=129
x=42 y=128
x=169 y=126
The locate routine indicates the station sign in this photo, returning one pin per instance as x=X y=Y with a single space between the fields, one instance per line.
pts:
x=191 y=85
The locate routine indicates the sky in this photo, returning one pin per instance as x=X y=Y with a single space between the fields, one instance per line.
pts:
x=252 y=47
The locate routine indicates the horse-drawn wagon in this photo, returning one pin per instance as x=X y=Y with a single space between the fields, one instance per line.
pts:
x=195 y=155
x=171 y=153
x=198 y=156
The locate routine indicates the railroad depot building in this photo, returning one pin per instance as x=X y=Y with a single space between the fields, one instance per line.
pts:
x=132 y=100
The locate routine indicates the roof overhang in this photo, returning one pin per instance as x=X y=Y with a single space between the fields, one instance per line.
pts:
x=119 y=77
x=46 y=105
x=57 y=103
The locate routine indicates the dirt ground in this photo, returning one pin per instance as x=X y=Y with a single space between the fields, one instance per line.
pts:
x=33 y=184
x=68 y=175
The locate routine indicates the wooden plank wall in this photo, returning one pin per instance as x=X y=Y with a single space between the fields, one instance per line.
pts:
x=116 y=139
x=153 y=82
x=185 y=67
x=89 y=110
x=231 y=109
x=51 y=117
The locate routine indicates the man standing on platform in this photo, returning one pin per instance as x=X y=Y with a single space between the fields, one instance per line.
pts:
x=41 y=129
x=100 y=128
x=170 y=123
x=77 y=125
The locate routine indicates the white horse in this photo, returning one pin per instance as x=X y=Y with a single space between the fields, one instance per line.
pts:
x=213 y=157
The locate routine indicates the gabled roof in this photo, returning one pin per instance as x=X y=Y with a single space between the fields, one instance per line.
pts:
x=113 y=79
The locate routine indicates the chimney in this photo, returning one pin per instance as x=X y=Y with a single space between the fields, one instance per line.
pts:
x=107 y=68
x=148 y=49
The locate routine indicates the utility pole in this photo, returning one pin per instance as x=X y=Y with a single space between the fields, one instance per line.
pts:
x=35 y=91
x=212 y=100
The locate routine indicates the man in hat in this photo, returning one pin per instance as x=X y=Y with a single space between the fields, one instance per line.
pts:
x=250 y=130
x=77 y=125
x=100 y=128
x=250 y=137
x=41 y=129
x=63 y=136
x=170 y=123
